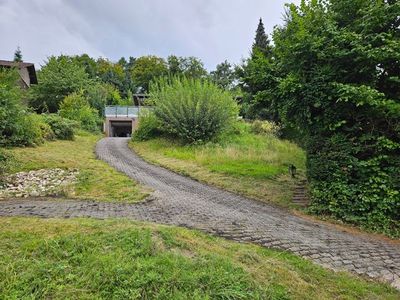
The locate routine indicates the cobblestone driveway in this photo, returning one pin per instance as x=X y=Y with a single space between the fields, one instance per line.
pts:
x=182 y=201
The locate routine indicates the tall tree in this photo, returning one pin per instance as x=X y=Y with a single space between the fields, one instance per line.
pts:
x=224 y=75
x=261 y=41
x=339 y=69
x=146 y=69
x=174 y=65
x=88 y=63
x=58 y=78
x=193 y=67
x=187 y=66
x=257 y=79
x=18 y=55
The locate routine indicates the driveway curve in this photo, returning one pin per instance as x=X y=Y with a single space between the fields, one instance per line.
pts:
x=178 y=200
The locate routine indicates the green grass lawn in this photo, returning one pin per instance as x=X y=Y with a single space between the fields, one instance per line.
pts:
x=97 y=180
x=245 y=163
x=108 y=259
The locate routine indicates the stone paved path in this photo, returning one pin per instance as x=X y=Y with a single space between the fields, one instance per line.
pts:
x=181 y=201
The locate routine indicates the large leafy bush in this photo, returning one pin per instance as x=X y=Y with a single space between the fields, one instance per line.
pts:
x=62 y=128
x=6 y=160
x=18 y=127
x=148 y=127
x=339 y=66
x=193 y=110
x=76 y=107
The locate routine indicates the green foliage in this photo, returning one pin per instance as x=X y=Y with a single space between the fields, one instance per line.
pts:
x=76 y=107
x=338 y=67
x=62 y=128
x=186 y=66
x=18 y=127
x=261 y=41
x=265 y=127
x=147 y=69
x=11 y=109
x=258 y=80
x=101 y=94
x=6 y=161
x=34 y=130
x=18 y=55
x=191 y=109
x=58 y=78
x=148 y=127
x=224 y=75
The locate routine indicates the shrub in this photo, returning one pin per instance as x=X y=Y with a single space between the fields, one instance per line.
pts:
x=18 y=127
x=11 y=109
x=265 y=127
x=31 y=130
x=76 y=107
x=6 y=160
x=63 y=128
x=192 y=109
x=148 y=127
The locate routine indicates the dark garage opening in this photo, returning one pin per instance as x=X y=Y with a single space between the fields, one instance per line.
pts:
x=121 y=128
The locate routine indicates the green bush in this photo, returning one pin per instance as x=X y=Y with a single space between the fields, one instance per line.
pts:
x=265 y=128
x=339 y=85
x=76 y=107
x=62 y=128
x=191 y=109
x=148 y=127
x=18 y=127
x=31 y=131
x=6 y=160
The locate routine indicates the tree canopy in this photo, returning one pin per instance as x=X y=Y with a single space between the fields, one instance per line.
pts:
x=224 y=75
x=146 y=69
x=335 y=74
x=58 y=78
x=261 y=41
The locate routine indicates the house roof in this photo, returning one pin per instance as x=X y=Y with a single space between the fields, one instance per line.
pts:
x=21 y=65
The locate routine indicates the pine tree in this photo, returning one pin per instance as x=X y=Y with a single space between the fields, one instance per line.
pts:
x=18 y=55
x=261 y=41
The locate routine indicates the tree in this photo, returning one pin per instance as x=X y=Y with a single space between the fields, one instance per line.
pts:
x=58 y=78
x=190 y=66
x=174 y=65
x=88 y=63
x=18 y=55
x=261 y=41
x=193 y=67
x=224 y=75
x=257 y=79
x=146 y=69
x=339 y=73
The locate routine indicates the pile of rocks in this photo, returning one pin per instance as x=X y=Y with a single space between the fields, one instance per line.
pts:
x=44 y=182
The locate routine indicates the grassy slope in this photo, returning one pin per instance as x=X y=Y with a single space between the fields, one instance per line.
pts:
x=82 y=259
x=97 y=180
x=249 y=164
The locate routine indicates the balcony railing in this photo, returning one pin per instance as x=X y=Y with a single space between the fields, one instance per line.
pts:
x=123 y=111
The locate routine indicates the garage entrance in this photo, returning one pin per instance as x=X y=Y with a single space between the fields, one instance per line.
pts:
x=121 y=128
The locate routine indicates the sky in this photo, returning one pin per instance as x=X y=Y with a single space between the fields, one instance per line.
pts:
x=212 y=30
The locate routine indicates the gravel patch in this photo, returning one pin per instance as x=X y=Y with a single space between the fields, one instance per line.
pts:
x=38 y=183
